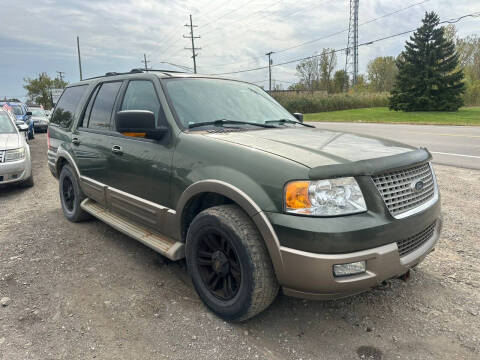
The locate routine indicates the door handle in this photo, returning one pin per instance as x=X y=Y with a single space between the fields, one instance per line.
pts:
x=117 y=149
x=75 y=141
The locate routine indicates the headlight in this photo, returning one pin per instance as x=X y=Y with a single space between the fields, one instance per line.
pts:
x=331 y=197
x=15 y=154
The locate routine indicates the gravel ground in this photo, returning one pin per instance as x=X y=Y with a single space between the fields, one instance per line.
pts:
x=80 y=291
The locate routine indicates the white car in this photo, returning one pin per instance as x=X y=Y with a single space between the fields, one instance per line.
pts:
x=15 y=162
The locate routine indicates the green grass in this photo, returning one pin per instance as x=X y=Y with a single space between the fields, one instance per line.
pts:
x=465 y=116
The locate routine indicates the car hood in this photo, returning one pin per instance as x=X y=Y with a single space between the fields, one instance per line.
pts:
x=314 y=147
x=9 y=141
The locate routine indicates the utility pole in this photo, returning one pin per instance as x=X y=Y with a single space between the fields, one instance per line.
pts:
x=351 y=54
x=269 y=54
x=60 y=74
x=79 y=59
x=192 y=37
x=145 y=62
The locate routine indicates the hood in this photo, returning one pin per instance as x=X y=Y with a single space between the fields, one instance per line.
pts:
x=9 y=141
x=314 y=147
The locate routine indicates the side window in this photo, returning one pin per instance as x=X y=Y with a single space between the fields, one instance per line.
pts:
x=141 y=95
x=65 y=109
x=102 y=107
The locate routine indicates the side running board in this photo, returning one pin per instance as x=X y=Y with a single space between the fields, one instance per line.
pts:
x=174 y=250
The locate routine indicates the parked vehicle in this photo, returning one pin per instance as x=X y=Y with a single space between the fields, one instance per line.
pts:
x=15 y=163
x=39 y=118
x=22 y=113
x=217 y=171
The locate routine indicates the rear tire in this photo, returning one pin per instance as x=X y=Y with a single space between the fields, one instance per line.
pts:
x=71 y=196
x=229 y=264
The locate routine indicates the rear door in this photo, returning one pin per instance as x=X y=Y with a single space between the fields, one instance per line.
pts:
x=91 y=141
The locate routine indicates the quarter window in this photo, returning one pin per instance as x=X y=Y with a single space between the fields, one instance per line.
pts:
x=102 y=107
x=65 y=109
x=141 y=95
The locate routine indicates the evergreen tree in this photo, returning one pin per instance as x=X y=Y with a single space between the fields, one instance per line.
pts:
x=428 y=78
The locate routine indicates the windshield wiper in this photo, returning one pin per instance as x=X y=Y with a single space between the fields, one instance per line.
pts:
x=287 y=121
x=221 y=122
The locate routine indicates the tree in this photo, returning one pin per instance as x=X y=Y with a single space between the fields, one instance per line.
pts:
x=340 y=78
x=308 y=72
x=39 y=89
x=328 y=61
x=428 y=78
x=381 y=73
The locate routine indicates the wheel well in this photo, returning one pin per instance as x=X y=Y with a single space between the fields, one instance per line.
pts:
x=199 y=203
x=60 y=164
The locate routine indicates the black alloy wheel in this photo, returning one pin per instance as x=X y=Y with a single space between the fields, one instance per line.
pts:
x=68 y=193
x=219 y=266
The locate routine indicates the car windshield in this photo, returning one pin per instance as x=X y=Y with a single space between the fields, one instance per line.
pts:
x=198 y=100
x=6 y=124
x=17 y=110
x=37 y=112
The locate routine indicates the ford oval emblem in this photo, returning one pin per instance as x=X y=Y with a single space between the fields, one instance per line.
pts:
x=417 y=186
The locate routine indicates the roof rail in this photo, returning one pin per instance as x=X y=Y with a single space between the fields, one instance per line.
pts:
x=135 y=71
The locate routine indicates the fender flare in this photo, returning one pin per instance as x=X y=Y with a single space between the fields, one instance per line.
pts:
x=247 y=204
x=62 y=153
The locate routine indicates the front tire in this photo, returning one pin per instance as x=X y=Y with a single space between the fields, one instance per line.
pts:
x=229 y=264
x=71 y=196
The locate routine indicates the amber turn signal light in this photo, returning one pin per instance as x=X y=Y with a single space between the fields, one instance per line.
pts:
x=296 y=195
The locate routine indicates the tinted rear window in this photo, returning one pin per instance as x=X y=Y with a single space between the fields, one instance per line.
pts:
x=103 y=106
x=65 y=110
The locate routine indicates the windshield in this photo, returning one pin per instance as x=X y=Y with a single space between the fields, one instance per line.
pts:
x=198 y=100
x=37 y=112
x=6 y=125
x=17 y=110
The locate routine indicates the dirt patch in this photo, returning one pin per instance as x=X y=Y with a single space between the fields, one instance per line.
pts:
x=81 y=291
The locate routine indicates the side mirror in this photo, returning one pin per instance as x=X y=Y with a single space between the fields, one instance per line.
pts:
x=139 y=123
x=298 y=116
x=29 y=113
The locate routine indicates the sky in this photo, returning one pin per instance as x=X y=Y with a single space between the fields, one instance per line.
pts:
x=40 y=35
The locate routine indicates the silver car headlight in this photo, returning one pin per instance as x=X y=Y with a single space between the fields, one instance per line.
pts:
x=15 y=154
x=329 y=197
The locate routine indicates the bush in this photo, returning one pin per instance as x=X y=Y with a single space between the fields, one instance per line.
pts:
x=472 y=95
x=313 y=102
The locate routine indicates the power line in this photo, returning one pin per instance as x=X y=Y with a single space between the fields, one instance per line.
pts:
x=329 y=35
x=226 y=14
x=192 y=37
x=450 y=21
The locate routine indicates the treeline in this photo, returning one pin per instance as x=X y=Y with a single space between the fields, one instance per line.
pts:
x=328 y=89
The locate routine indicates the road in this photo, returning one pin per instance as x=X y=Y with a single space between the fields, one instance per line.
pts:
x=86 y=291
x=450 y=145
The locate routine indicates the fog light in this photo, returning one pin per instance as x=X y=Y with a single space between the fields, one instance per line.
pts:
x=349 y=269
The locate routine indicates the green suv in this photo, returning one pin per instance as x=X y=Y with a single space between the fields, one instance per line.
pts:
x=217 y=172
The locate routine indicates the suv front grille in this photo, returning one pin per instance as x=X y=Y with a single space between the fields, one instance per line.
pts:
x=397 y=188
x=412 y=243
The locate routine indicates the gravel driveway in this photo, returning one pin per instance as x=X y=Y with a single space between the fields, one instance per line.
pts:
x=82 y=291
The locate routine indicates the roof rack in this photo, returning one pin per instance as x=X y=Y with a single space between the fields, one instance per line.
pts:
x=135 y=71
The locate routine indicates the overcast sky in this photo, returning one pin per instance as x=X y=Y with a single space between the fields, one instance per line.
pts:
x=40 y=35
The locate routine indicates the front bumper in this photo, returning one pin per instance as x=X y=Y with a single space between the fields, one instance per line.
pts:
x=309 y=247
x=311 y=275
x=15 y=171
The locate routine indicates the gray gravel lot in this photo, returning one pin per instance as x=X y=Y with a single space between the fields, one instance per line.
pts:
x=81 y=291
